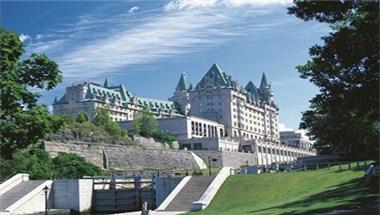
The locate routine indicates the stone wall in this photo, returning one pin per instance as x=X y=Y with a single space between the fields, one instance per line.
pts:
x=138 y=158
x=91 y=152
x=121 y=157
x=227 y=159
x=126 y=157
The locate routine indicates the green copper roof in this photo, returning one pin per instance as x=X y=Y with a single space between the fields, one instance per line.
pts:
x=252 y=89
x=120 y=92
x=156 y=104
x=215 y=77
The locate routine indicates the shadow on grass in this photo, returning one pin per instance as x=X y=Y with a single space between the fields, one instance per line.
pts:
x=347 y=195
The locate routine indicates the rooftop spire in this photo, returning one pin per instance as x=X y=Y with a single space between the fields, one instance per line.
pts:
x=182 y=83
x=105 y=83
x=264 y=82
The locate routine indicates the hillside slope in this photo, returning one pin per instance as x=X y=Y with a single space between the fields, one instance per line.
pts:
x=292 y=193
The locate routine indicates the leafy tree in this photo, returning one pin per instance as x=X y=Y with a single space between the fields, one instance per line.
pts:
x=36 y=163
x=164 y=137
x=145 y=123
x=103 y=120
x=72 y=166
x=101 y=117
x=344 y=116
x=39 y=165
x=22 y=121
x=82 y=117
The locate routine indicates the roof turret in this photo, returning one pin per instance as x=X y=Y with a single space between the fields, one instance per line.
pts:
x=105 y=83
x=252 y=89
x=215 y=77
x=264 y=82
x=182 y=83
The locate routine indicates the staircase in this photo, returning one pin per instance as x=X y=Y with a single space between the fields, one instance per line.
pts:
x=11 y=196
x=192 y=191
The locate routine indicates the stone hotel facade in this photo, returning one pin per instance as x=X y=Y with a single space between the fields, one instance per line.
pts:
x=216 y=114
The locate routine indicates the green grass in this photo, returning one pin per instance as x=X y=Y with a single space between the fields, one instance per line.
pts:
x=292 y=193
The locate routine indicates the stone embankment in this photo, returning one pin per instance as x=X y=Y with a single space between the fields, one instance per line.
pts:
x=112 y=156
x=148 y=155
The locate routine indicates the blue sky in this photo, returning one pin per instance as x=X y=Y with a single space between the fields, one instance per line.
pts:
x=146 y=45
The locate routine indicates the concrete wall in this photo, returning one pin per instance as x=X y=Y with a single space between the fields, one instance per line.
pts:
x=72 y=194
x=227 y=159
x=164 y=186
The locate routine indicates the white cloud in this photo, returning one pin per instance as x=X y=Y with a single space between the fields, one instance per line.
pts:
x=24 y=37
x=39 y=36
x=133 y=9
x=121 y=40
x=282 y=127
x=191 y=4
x=256 y=3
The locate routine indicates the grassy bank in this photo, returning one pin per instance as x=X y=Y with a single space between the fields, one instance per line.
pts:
x=292 y=193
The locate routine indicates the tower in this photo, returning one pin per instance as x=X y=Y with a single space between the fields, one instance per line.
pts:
x=265 y=90
x=181 y=95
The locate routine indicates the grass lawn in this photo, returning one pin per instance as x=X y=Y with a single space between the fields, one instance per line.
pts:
x=292 y=193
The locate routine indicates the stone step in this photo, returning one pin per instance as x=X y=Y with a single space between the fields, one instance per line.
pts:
x=192 y=191
x=16 y=193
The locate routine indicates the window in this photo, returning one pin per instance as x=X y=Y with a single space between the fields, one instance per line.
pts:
x=259 y=149
x=197 y=146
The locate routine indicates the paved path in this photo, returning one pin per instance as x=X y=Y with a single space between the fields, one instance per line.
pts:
x=19 y=191
x=192 y=191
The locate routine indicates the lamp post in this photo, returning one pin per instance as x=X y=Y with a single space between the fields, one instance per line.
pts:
x=209 y=165
x=246 y=169
x=46 y=190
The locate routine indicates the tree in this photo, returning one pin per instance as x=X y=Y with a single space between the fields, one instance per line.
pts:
x=72 y=166
x=344 y=116
x=82 y=117
x=36 y=163
x=22 y=121
x=103 y=120
x=145 y=123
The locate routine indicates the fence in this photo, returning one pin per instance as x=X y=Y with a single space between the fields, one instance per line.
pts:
x=341 y=164
x=127 y=193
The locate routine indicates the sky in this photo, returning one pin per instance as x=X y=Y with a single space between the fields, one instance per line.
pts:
x=146 y=45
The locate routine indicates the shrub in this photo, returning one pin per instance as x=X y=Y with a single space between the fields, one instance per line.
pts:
x=68 y=165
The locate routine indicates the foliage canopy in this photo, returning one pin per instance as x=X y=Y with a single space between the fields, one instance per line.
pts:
x=22 y=121
x=344 y=116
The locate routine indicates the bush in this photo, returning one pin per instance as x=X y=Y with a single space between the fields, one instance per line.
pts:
x=35 y=162
x=145 y=123
x=68 y=165
x=103 y=120
x=82 y=117
x=164 y=137
x=39 y=165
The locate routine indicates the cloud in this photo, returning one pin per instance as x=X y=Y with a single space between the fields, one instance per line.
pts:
x=99 y=43
x=133 y=9
x=24 y=37
x=282 y=127
x=191 y=4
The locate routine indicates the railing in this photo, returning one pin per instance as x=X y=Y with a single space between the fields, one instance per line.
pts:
x=341 y=164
